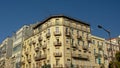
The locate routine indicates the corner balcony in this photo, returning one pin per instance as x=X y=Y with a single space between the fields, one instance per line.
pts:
x=57 y=66
x=48 y=35
x=98 y=55
x=57 y=43
x=57 y=54
x=26 y=52
x=57 y=33
x=36 y=49
x=40 y=39
x=85 y=47
x=67 y=34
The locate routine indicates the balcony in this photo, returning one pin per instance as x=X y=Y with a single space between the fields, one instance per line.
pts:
x=85 y=47
x=100 y=47
x=36 y=49
x=29 y=60
x=80 y=56
x=67 y=34
x=43 y=56
x=57 y=43
x=26 y=52
x=48 y=35
x=84 y=56
x=44 y=46
x=79 y=37
x=37 y=57
x=57 y=33
x=74 y=45
x=57 y=66
x=74 y=55
x=98 y=55
x=40 y=57
x=105 y=56
x=40 y=39
x=57 y=54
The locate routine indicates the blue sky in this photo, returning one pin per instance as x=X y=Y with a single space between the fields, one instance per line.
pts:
x=16 y=13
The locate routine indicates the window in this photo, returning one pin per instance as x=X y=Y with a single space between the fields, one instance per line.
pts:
x=98 y=43
x=57 y=61
x=78 y=41
x=57 y=21
x=57 y=39
x=48 y=30
x=93 y=41
x=85 y=51
x=72 y=41
x=77 y=32
x=33 y=65
x=68 y=59
x=94 y=51
x=99 y=60
x=17 y=48
x=57 y=29
x=74 y=49
x=79 y=50
x=66 y=30
x=102 y=43
x=87 y=36
x=89 y=44
x=67 y=40
x=72 y=31
x=68 y=48
x=83 y=43
x=82 y=34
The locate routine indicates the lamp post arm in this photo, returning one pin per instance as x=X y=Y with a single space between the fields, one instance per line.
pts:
x=106 y=30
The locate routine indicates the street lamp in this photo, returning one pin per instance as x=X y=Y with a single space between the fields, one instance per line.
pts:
x=99 y=26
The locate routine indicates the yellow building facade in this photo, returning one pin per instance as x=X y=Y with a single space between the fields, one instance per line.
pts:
x=100 y=51
x=59 y=42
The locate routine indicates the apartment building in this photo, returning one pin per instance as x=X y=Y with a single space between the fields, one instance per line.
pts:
x=18 y=38
x=5 y=51
x=60 y=42
x=112 y=47
x=100 y=51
